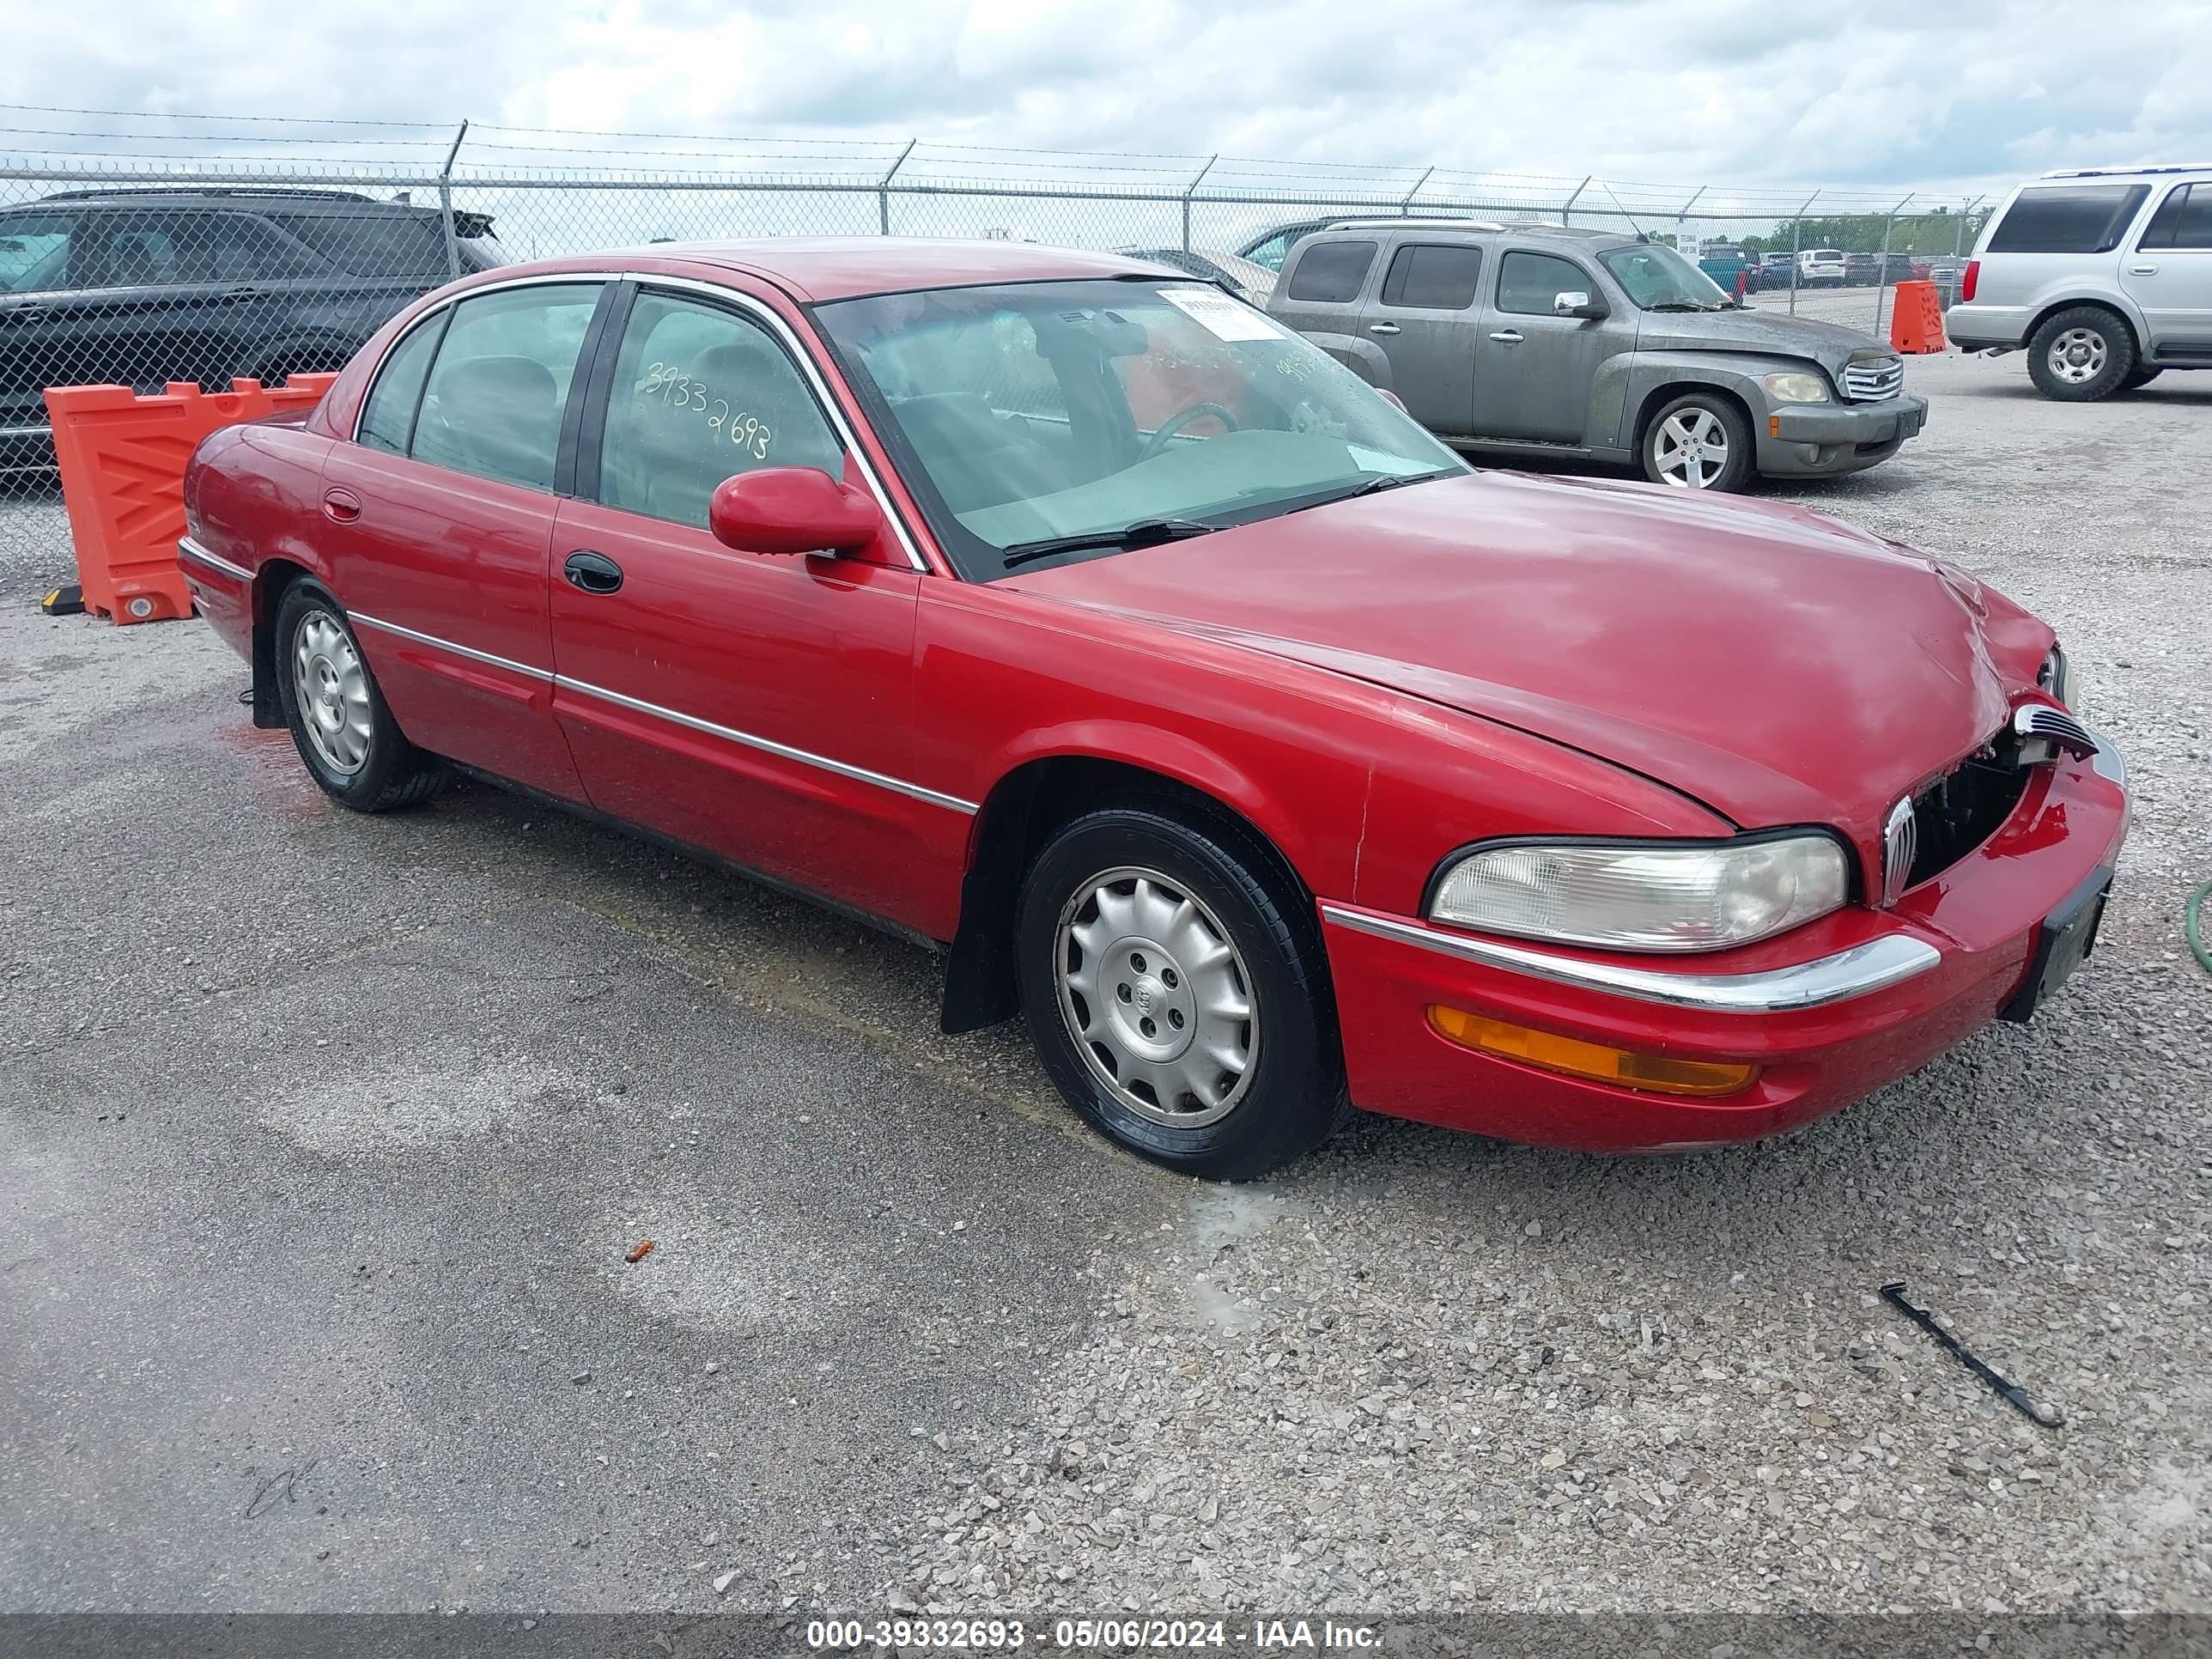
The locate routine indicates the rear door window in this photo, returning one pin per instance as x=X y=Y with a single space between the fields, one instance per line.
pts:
x=408 y=245
x=1330 y=273
x=2184 y=219
x=500 y=385
x=387 y=419
x=2068 y=219
x=1435 y=276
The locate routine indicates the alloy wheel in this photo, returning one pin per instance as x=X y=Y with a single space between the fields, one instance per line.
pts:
x=1693 y=449
x=2077 y=356
x=1156 y=997
x=332 y=690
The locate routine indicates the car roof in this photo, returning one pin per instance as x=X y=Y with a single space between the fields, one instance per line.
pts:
x=822 y=268
x=2159 y=168
x=1543 y=228
x=344 y=201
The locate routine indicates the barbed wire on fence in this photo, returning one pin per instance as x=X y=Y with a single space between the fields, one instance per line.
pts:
x=141 y=248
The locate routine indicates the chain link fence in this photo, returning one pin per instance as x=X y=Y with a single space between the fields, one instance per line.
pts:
x=144 y=249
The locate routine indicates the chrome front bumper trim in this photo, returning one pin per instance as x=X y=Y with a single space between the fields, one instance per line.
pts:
x=1856 y=972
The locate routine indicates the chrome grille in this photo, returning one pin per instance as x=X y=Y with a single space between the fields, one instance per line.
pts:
x=2042 y=720
x=1872 y=382
x=1900 y=845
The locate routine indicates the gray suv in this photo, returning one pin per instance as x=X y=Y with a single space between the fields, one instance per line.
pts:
x=2104 y=275
x=1538 y=339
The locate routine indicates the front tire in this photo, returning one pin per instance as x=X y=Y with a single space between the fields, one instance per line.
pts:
x=352 y=747
x=2081 y=355
x=1700 y=441
x=1177 y=996
x=2142 y=375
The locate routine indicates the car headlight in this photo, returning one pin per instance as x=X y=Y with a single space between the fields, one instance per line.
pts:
x=1795 y=388
x=2056 y=677
x=1691 y=895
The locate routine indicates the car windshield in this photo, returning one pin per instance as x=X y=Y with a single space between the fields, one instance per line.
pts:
x=1659 y=279
x=1032 y=412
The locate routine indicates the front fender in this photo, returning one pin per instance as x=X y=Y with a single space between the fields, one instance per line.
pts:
x=1648 y=379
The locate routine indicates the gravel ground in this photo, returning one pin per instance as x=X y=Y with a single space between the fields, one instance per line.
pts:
x=326 y=1137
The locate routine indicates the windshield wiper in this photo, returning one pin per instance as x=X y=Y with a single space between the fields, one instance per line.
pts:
x=1681 y=305
x=1145 y=533
x=1375 y=485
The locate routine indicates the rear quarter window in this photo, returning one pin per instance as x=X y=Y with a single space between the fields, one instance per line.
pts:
x=395 y=245
x=1331 y=272
x=2068 y=219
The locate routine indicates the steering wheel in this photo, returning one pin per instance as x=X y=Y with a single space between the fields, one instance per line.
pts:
x=1175 y=422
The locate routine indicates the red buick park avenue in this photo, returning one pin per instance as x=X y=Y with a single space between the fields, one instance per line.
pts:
x=1076 y=617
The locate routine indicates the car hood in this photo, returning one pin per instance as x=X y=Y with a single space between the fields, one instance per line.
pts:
x=1776 y=333
x=1779 y=666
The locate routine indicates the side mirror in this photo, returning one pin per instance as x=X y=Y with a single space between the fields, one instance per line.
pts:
x=791 y=509
x=1575 y=303
x=1391 y=398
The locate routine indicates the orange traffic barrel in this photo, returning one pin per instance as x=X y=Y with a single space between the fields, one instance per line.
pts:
x=1915 y=321
x=122 y=459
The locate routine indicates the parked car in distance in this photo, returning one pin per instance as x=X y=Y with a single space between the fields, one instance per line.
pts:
x=1589 y=345
x=1266 y=756
x=1233 y=271
x=2103 y=275
x=1862 y=269
x=139 y=288
x=1774 y=269
x=1724 y=262
x=1822 y=267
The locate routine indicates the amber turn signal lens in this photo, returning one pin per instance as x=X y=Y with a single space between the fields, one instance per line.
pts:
x=1592 y=1060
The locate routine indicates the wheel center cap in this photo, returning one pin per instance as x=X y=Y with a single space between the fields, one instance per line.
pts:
x=1145 y=993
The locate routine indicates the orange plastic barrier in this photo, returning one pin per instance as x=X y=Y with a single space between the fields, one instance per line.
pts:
x=1915 y=322
x=122 y=459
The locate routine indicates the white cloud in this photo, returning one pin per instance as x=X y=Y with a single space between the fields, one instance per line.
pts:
x=1747 y=92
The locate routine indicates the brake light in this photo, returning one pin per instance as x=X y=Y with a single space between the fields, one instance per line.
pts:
x=1971 y=280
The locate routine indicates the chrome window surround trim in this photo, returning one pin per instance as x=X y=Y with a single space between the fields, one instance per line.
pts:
x=728 y=734
x=730 y=296
x=189 y=549
x=1856 y=972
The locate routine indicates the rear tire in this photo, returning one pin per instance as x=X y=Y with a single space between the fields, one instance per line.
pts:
x=1177 y=997
x=351 y=746
x=2081 y=355
x=1699 y=441
x=2142 y=375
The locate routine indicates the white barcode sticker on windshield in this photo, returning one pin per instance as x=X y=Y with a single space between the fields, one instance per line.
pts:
x=1221 y=316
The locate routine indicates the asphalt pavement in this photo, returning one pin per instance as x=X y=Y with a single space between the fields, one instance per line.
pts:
x=327 y=1138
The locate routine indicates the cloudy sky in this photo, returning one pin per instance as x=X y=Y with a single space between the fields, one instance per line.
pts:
x=1850 y=92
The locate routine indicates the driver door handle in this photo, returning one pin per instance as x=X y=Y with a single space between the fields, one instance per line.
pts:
x=2142 y=270
x=1382 y=328
x=1511 y=336
x=592 y=572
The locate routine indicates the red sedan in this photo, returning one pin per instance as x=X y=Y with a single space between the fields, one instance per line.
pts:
x=1076 y=617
